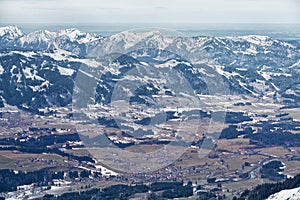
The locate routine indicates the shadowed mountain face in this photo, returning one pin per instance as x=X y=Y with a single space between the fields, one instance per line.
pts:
x=39 y=69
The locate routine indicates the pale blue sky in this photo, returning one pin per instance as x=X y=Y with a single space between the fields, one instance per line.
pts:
x=149 y=11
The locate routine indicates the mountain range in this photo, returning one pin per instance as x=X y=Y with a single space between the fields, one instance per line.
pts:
x=40 y=69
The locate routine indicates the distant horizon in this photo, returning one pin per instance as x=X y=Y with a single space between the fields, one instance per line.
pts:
x=275 y=30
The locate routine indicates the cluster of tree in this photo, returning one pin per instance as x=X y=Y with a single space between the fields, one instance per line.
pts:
x=231 y=132
x=270 y=132
x=179 y=192
x=40 y=145
x=1 y=106
x=42 y=141
x=206 y=195
x=276 y=138
x=172 y=189
x=263 y=191
x=211 y=180
x=158 y=190
x=158 y=186
x=71 y=156
x=121 y=192
x=108 y=122
x=236 y=117
x=271 y=171
x=82 y=174
x=213 y=194
x=9 y=180
x=158 y=118
x=285 y=124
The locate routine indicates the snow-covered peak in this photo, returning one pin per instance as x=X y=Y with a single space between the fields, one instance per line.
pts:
x=254 y=39
x=132 y=40
x=11 y=32
x=71 y=32
x=75 y=34
x=72 y=40
x=40 y=35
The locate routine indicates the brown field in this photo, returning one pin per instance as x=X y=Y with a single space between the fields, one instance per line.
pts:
x=193 y=157
x=292 y=167
x=276 y=151
x=77 y=152
x=242 y=185
x=143 y=148
x=233 y=145
x=23 y=161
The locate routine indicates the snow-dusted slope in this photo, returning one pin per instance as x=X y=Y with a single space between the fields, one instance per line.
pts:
x=292 y=194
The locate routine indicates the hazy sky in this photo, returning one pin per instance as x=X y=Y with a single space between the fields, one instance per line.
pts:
x=149 y=11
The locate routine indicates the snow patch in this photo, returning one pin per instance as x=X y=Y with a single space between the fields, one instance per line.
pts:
x=105 y=171
x=1 y=70
x=65 y=71
x=241 y=69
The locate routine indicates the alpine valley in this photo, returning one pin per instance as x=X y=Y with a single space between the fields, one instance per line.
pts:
x=69 y=99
